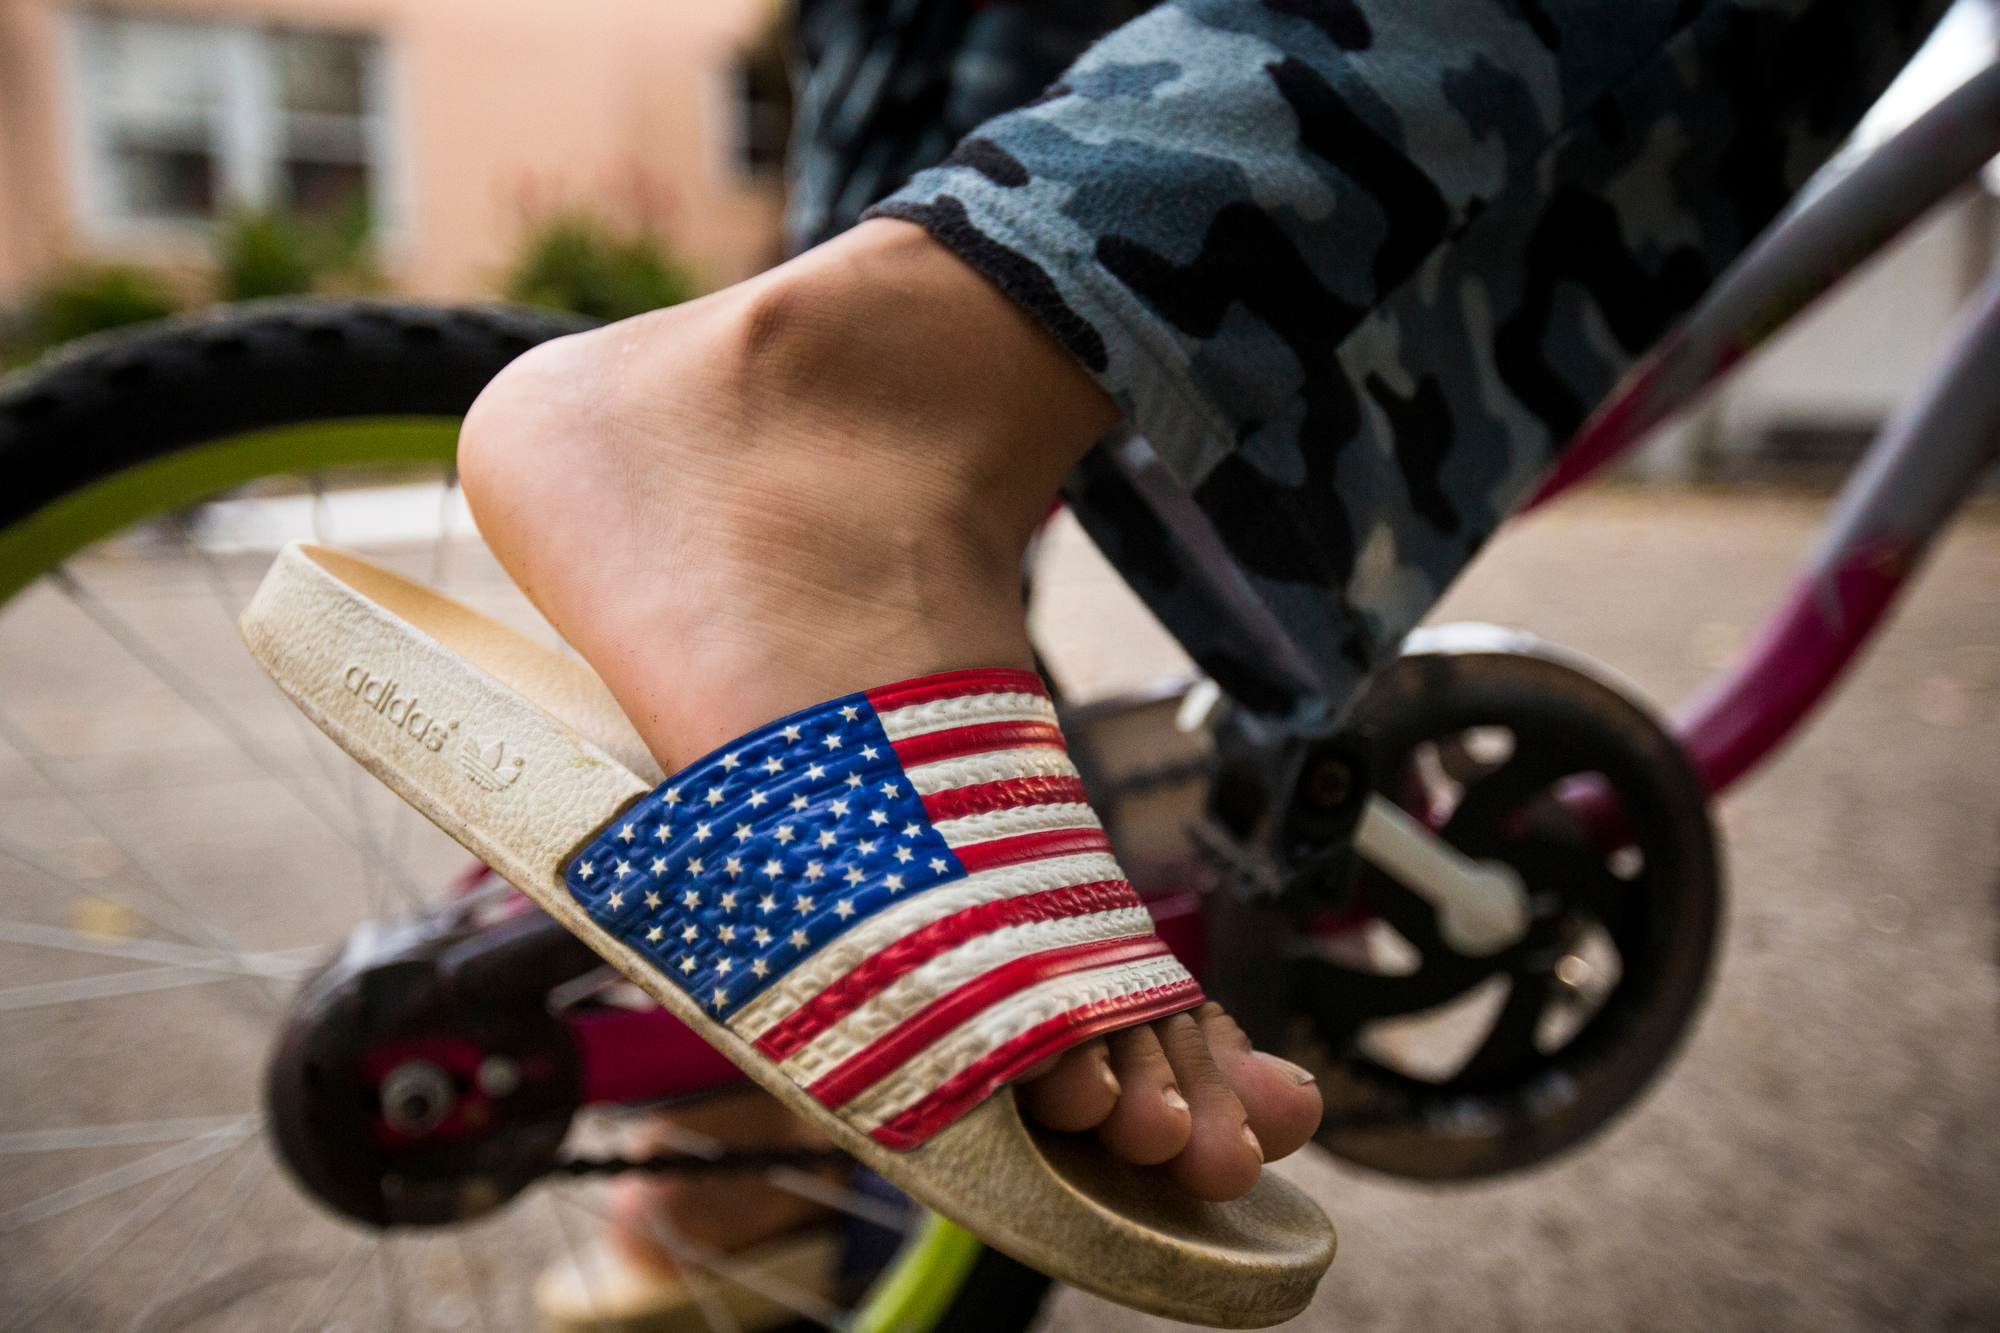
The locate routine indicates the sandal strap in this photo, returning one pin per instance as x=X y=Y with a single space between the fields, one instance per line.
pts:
x=901 y=897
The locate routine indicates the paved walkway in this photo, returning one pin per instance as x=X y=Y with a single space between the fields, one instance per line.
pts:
x=1826 y=1154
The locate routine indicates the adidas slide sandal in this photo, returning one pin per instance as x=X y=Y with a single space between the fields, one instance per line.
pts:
x=881 y=909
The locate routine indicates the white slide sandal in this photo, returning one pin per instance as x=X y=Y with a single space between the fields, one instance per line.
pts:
x=880 y=909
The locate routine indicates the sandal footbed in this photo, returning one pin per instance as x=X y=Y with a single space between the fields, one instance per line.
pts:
x=323 y=621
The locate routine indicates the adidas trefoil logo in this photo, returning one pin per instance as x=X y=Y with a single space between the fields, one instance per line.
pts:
x=488 y=764
x=487 y=761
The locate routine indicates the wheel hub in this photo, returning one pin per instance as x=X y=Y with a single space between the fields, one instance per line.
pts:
x=407 y=1088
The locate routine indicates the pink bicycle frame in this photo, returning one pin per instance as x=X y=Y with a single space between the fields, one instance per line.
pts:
x=1915 y=476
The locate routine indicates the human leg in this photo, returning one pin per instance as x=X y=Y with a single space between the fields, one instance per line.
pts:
x=782 y=425
x=816 y=482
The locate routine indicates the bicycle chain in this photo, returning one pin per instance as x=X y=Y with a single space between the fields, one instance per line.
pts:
x=689 y=1164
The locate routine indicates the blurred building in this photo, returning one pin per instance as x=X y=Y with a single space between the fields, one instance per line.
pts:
x=1806 y=404
x=125 y=129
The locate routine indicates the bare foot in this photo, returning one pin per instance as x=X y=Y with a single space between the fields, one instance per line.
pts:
x=816 y=482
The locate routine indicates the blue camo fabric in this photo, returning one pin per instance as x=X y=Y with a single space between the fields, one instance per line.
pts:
x=1359 y=268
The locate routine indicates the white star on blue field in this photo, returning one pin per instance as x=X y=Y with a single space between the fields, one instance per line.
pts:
x=745 y=862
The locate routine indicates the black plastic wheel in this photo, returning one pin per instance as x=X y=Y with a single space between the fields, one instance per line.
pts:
x=1486 y=1065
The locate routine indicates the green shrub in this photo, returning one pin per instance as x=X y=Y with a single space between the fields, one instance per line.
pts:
x=271 y=252
x=262 y=252
x=576 y=262
x=89 y=298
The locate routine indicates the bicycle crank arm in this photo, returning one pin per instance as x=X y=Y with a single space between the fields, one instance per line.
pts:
x=1482 y=906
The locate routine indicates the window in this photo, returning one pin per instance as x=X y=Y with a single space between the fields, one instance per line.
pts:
x=180 y=120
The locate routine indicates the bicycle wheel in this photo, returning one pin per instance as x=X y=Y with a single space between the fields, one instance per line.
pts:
x=178 y=847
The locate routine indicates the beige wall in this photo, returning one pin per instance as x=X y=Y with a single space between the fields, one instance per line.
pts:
x=1876 y=335
x=498 y=106
x=34 y=185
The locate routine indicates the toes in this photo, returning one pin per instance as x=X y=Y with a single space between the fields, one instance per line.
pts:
x=1151 y=1121
x=1223 y=1155
x=1280 y=1100
x=1188 y=1091
x=1077 y=1092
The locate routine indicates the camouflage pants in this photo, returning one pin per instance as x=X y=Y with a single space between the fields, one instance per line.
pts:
x=1359 y=268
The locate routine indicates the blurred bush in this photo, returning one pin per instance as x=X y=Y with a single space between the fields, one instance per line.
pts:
x=578 y=262
x=82 y=299
x=261 y=253
x=90 y=298
x=271 y=252
x=258 y=252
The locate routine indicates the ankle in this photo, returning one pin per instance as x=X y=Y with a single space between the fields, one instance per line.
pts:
x=816 y=482
x=893 y=353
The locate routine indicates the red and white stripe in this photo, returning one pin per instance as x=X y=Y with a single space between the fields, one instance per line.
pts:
x=919 y=1012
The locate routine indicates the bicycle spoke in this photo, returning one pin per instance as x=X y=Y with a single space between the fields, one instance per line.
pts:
x=391 y=1286
x=338 y=772
x=335 y=1285
x=788 y=1178
x=132 y=1173
x=101 y=615
x=150 y=873
x=840 y=1198
x=232 y=606
x=21 y=858
x=114 y=1136
x=149 y=951
x=205 y=1300
x=477 y=1282
x=190 y=1301
x=339 y=775
x=116 y=1237
x=374 y=884
x=586 y=1273
x=688 y=1252
x=260 y=967
x=714 y=1312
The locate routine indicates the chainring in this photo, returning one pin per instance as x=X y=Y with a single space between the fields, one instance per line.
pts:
x=1440 y=1066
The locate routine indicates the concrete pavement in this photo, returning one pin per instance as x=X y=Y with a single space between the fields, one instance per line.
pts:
x=1825 y=1155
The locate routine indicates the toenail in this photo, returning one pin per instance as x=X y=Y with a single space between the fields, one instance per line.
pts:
x=1110 y=1079
x=1172 y=1097
x=1296 y=1073
x=1250 y=1137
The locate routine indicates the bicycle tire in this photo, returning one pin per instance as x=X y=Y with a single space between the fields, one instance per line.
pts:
x=139 y=422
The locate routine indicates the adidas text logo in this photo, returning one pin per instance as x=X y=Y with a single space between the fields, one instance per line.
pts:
x=488 y=764
x=402 y=710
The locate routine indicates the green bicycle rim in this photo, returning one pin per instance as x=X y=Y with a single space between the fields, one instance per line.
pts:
x=59 y=529
x=921 y=1285
x=925 y=1277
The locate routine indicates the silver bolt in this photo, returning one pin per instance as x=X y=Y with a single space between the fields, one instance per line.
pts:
x=498 y=1076
x=416 y=1097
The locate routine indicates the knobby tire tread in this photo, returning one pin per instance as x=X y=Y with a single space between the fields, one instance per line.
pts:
x=106 y=402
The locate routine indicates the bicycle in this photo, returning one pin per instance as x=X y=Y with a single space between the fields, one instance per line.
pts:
x=1534 y=815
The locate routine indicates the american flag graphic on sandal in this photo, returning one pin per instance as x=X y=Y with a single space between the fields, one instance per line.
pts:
x=901 y=897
